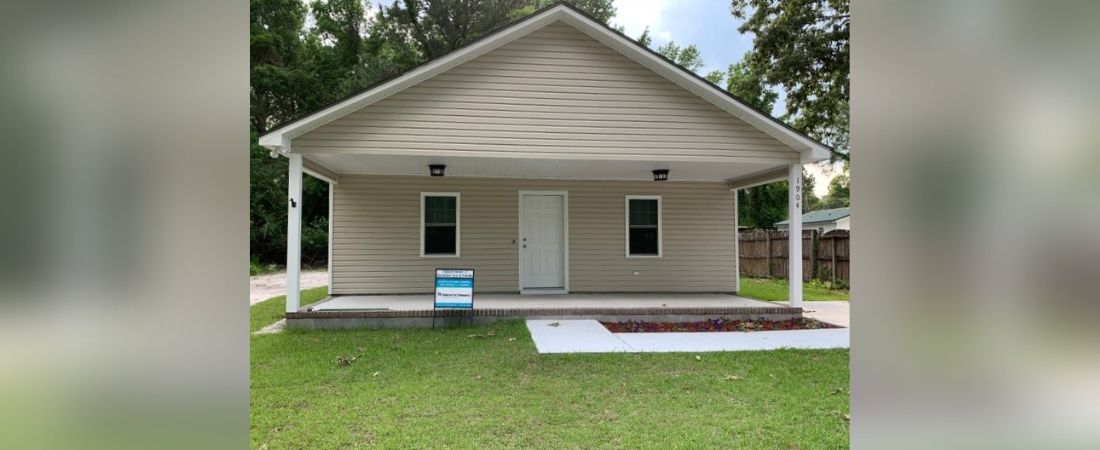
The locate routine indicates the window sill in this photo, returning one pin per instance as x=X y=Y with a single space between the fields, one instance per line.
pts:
x=439 y=256
x=645 y=256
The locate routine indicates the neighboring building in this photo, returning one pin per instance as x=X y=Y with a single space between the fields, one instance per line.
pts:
x=823 y=221
x=550 y=140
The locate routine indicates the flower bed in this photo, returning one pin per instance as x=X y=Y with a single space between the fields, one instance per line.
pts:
x=722 y=324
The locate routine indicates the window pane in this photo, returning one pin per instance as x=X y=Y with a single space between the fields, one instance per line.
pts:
x=439 y=240
x=643 y=241
x=439 y=210
x=643 y=211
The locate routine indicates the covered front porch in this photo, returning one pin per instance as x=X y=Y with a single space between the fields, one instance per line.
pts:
x=492 y=244
x=608 y=169
x=416 y=310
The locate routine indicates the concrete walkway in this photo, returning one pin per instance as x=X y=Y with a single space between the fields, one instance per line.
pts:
x=574 y=336
x=835 y=313
x=263 y=287
x=589 y=336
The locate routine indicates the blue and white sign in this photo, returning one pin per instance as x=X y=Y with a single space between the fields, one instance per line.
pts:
x=454 y=288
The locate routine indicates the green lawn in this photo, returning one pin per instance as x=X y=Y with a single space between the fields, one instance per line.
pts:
x=271 y=310
x=773 y=289
x=425 y=388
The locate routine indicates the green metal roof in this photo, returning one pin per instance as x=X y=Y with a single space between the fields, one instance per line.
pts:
x=824 y=215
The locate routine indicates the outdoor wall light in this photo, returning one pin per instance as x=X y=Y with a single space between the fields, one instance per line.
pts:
x=660 y=175
x=436 y=169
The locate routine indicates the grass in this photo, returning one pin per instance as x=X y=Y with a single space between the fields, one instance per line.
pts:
x=271 y=310
x=256 y=268
x=423 y=388
x=774 y=289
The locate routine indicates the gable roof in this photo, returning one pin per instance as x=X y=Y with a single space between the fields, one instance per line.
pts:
x=279 y=138
x=825 y=215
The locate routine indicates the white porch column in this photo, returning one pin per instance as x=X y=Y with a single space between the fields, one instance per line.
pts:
x=294 y=234
x=331 y=188
x=736 y=244
x=794 y=236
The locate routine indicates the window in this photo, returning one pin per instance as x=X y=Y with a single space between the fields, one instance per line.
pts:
x=643 y=225
x=439 y=224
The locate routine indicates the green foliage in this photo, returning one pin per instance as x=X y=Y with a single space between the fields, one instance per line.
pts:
x=839 y=195
x=255 y=267
x=437 y=27
x=762 y=206
x=715 y=76
x=689 y=56
x=391 y=388
x=803 y=46
x=810 y=202
x=602 y=10
x=749 y=86
x=645 y=39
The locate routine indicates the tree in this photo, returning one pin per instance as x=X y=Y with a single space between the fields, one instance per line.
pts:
x=839 y=195
x=440 y=26
x=645 y=39
x=689 y=56
x=602 y=10
x=749 y=86
x=762 y=206
x=275 y=59
x=810 y=202
x=803 y=47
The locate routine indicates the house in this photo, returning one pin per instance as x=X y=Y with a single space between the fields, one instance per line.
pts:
x=823 y=221
x=552 y=156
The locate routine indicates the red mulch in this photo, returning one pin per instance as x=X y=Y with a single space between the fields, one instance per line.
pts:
x=722 y=324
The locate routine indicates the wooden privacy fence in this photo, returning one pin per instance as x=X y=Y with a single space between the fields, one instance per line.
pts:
x=824 y=257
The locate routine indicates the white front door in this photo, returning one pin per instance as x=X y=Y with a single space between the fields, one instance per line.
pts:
x=542 y=241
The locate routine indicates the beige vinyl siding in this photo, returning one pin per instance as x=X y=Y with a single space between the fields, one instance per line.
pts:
x=554 y=91
x=376 y=235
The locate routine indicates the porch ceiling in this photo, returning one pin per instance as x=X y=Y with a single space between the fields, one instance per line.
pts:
x=345 y=163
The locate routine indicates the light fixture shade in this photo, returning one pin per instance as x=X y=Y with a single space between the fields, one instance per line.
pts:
x=660 y=175
x=436 y=169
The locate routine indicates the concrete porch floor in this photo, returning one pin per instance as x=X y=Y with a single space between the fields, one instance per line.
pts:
x=402 y=311
x=548 y=301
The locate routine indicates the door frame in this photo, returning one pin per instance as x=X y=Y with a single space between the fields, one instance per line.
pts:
x=565 y=244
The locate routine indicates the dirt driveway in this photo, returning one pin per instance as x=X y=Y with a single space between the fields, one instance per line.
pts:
x=263 y=287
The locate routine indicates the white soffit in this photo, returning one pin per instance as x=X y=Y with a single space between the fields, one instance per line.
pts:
x=350 y=164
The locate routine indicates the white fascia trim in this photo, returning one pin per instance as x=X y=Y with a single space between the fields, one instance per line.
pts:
x=282 y=136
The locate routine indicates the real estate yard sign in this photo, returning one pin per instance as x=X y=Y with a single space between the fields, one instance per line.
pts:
x=454 y=288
